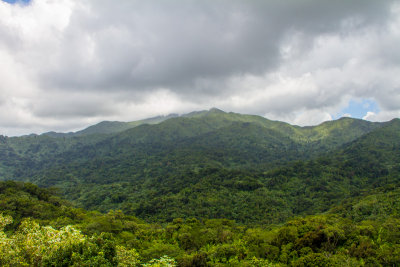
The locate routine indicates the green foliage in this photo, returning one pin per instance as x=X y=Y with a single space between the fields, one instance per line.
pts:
x=115 y=239
x=164 y=261
x=208 y=164
x=221 y=189
x=35 y=245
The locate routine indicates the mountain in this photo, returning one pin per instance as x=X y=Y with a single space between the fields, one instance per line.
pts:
x=210 y=164
x=210 y=137
x=108 y=127
x=208 y=188
x=272 y=196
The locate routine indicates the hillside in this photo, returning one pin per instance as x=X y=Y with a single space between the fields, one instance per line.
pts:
x=207 y=188
x=108 y=127
x=329 y=134
x=361 y=231
x=211 y=164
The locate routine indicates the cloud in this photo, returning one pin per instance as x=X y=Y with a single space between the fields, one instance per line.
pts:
x=381 y=116
x=300 y=61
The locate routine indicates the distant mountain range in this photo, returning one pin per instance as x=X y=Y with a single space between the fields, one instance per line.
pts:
x=107 y=127
x=209 y=164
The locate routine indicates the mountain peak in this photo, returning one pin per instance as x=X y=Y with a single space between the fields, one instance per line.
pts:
x=215 y=110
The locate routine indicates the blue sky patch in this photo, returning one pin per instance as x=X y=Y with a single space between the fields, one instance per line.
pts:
x=17 y=1
x=358 y=108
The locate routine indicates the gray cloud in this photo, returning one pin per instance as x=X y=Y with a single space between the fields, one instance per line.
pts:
x=97 y=60
x=140 y=46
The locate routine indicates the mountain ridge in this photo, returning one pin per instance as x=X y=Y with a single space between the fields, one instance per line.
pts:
x=107 y=127
x=207 y=159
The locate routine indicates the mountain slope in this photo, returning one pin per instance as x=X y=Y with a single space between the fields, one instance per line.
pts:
x=210 y=164
x=109 y=127
x=361 y=231
x=214 y=137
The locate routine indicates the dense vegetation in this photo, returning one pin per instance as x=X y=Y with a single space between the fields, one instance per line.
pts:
x=214 y=161
x=363 y=231
x=206 y=188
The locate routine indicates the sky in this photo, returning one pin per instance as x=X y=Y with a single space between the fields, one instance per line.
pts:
x=68 y=64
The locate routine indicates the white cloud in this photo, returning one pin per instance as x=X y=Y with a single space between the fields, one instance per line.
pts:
x=369 y=116
x=381 y=116
x=65 y=64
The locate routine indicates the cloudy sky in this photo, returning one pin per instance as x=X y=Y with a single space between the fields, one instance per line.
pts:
x=66 y=64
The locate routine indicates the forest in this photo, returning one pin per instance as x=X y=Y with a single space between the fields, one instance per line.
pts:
x=203 y=189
